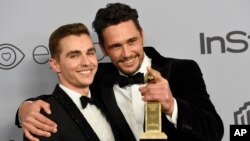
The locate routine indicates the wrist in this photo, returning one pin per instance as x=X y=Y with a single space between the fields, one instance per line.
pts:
x=20 y=112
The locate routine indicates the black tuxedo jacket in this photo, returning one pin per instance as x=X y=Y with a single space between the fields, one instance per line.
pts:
x=197 y=117
x=72 y=125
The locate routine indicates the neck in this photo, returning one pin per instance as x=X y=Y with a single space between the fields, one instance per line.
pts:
x=83 y=90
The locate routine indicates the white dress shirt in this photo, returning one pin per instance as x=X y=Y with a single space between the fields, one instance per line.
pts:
x=93 y=115
x=130 y=102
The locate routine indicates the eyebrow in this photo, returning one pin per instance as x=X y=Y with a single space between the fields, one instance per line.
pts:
x=91 y=49
x=128 y=40
x=132 y=39
x=78 y=51
x=73 y=52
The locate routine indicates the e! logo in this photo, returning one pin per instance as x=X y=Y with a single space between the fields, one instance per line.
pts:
x=41 y=54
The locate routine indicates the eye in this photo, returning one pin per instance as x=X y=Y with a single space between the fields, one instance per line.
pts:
x=10 y=56
x=132 y=41
x=116 y=46
x=73 y=55
x=91 y=53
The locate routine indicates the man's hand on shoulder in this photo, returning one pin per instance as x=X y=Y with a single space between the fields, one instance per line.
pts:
x=33 y=122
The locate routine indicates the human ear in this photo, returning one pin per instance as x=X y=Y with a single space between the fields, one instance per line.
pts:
x=54 y=65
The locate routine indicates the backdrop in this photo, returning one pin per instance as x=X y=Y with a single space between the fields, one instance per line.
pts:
x=215 y=33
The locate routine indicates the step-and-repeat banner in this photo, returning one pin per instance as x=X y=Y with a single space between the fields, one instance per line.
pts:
x=215 y=33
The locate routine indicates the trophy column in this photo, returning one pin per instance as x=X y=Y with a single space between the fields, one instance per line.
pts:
x=153 y=126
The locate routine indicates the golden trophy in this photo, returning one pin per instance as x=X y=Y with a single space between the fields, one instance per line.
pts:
x=153 y=126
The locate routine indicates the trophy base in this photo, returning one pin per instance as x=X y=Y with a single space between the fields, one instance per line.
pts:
x=153 y=136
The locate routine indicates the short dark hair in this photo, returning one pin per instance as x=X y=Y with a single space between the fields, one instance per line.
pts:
x=62 y=32
x=112 y=14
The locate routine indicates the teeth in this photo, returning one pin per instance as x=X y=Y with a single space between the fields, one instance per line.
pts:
x=85 y=72
x=129 y=61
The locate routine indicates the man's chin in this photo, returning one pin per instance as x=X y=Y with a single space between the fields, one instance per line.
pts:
x=87 y=83
x=129 y=72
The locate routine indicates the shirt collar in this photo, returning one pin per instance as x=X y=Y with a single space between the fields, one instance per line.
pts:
x=75 y=96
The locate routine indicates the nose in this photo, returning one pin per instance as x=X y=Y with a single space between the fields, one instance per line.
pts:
x=125 y=51
x=85 y=60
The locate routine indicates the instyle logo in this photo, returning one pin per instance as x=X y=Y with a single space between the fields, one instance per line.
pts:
x=10 y=56
x=242 y=116
x=233 y=42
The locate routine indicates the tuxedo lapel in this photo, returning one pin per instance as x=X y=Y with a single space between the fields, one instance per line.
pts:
x=116 y=113
x=106 y=78
x=75 y=114
x=106 y=93
x=100 y=105
x=159 y=62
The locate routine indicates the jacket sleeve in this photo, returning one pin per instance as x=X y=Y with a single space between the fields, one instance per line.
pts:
x=197 y=116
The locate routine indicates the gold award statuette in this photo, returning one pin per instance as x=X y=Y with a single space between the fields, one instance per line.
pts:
x=152 y=119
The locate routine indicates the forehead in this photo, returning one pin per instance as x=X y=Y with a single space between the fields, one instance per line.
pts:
x=81 y=42
x=121 y=31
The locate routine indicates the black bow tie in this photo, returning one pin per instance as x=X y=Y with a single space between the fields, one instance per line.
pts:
x=85 y=100
x=138 y=78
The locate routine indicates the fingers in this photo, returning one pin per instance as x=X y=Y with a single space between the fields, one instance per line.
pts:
x=29 y=136
x=44 y=105
x=44 y=123
x=158 y=90
x=33 y=122
x=156 y=75
x=154 y=92
x=29 y=128
x=38 y=123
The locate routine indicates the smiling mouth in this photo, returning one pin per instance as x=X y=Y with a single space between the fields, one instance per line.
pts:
x=129 y=60
x=85 y=72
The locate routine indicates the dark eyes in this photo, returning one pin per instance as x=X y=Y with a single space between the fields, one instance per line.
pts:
x=74 y=55
x=91 y=53
x=115 y=46
x=131 y=42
